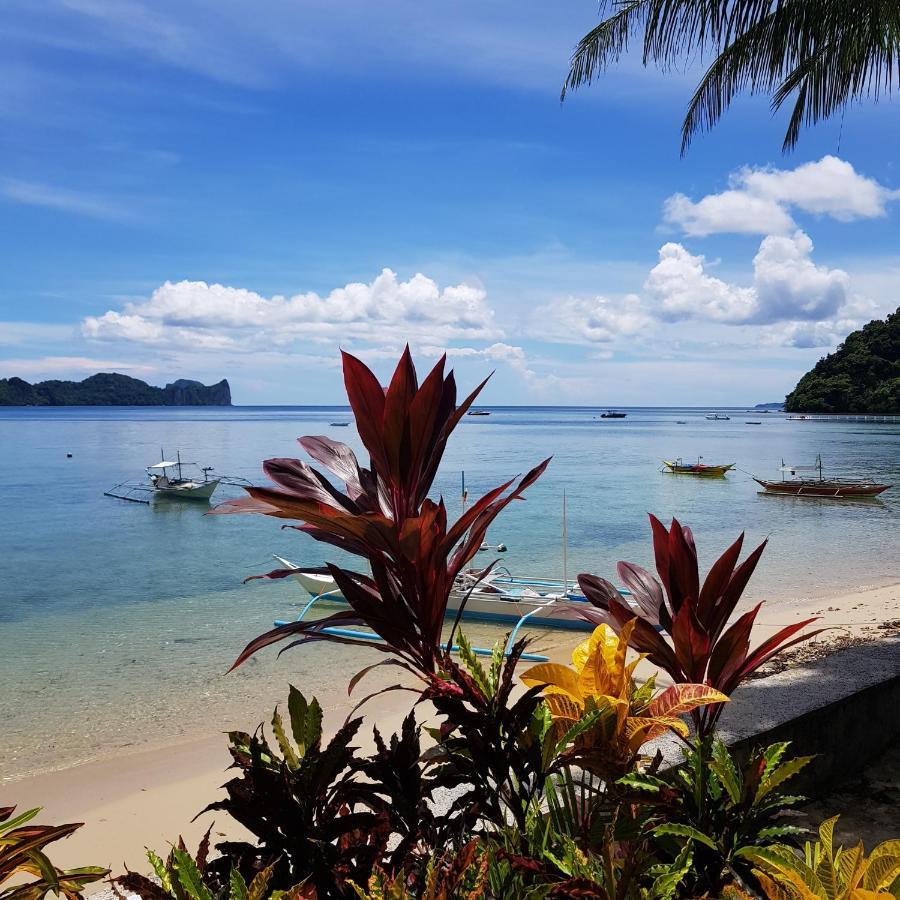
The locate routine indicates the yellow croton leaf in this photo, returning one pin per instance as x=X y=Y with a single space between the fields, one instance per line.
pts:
x=682 y=698
x=556 y=678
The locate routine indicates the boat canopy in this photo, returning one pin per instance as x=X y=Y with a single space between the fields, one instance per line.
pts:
x=162 y=465
x=793 y=469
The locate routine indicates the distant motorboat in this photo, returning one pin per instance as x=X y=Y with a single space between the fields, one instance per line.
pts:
x=753 y=423
x=677 y=467
x=477 y=412
x=833 y=488
x=680 y=422
x=610 y=414
x=718 y=417
x=338 y=424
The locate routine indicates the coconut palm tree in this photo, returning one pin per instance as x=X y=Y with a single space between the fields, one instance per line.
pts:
x=818 y=54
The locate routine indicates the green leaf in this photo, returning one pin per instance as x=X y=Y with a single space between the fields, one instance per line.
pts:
x=781 y=774
x=190 y=877
x=21 y=819
x=726 y=771
x=306 y=721
x=773 y=755
x=48 y=870
x=237 y=887
x=665 y=885
x=642 y=782
x=160 y=870
x=287 y=751
x=686 y=831
x=473 y=664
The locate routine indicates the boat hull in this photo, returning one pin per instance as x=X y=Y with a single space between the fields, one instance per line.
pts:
x=821 y=489
x=703 y=471
x=196 y=490
x=482 y=606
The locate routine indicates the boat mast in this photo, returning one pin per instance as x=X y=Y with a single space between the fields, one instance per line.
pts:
x=179 y=464
x=565 y=547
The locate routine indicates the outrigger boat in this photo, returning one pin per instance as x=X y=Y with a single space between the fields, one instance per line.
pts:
x=499 y=597
x=677 y=467
x=168 y=480
x=819 y=487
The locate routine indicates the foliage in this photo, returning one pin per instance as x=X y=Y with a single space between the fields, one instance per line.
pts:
x=681 y=626
x=300 y=806
x=818 y=54
x=22 y=853
x=385 y=516
x=828 y=872
x=724 y=808
x=112 y=389
x=861 y=376
x=597 y=706
x=186 y=877
x=489 y=744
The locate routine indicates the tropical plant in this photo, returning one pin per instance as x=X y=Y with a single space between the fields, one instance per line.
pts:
x=22 y=854
x=724 y=808
x=819 y=54
x=489 y=747
x=451 y=876
x=300 y=806
x=185 y=877
x=597 y=706
x=828 y=872
x=681 y=626
x=384 y=516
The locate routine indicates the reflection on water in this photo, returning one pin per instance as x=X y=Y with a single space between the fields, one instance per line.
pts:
x=118 y=621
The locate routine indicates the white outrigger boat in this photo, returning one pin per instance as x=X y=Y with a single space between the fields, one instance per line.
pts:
x=167 y=480
x=500 y=597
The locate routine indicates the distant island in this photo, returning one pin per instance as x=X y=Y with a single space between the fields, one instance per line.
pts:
x=861 y=376
x=112 y=389
x=776 y=405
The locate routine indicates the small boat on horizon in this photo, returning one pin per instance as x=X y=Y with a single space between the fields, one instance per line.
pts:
x=612 y=414
x=677 y=467
x=338 y=424
x=718 y=417
x=477 y=412
x=833 y=488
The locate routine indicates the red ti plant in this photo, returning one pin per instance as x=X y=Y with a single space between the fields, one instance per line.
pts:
x=384 y=514
x=683 y=626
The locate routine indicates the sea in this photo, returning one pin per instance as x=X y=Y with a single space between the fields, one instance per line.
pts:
x=119 y=621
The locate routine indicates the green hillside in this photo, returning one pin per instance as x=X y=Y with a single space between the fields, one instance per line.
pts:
x=861 y=376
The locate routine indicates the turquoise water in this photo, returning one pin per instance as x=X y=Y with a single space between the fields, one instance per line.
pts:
x=118 y=620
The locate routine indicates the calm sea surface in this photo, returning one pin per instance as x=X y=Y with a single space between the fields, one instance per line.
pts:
x=118 y=620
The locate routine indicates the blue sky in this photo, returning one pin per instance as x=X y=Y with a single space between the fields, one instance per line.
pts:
x=223 y=189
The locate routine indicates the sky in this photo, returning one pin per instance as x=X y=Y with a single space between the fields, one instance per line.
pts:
x=216 y=188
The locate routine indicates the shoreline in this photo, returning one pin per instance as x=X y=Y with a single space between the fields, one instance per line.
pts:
x=148 y=797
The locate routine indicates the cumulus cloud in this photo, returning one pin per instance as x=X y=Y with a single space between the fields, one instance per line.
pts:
x=215 y=316
x=787 y=285
x=69 y=367
x=760 y=200
x=589 y=320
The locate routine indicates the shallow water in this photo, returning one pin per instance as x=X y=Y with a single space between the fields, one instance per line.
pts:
x=118 y=620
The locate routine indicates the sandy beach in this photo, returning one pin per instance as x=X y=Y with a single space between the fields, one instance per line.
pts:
x=148 y=798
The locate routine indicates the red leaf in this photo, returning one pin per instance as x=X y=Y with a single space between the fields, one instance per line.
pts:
x=731 y=648
x=366 y=398
x=774 y=645
x=717 y=579
x=692 y=643
x=645 y=589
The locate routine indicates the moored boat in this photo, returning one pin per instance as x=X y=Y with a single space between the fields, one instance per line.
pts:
x=834 y=488
x=612 y=414
x=718 y=417
x=677 y=467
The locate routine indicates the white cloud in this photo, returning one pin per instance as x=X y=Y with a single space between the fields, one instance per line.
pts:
x=787 y=286
x=69 y=366
x=589 y=320
x=760 y=200
x=215 y=316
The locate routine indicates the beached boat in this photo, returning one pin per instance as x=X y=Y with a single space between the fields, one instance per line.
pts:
x=611 y=414
x=677 y=467
x=833 y=488
x=718 y=417
x=499 y=597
